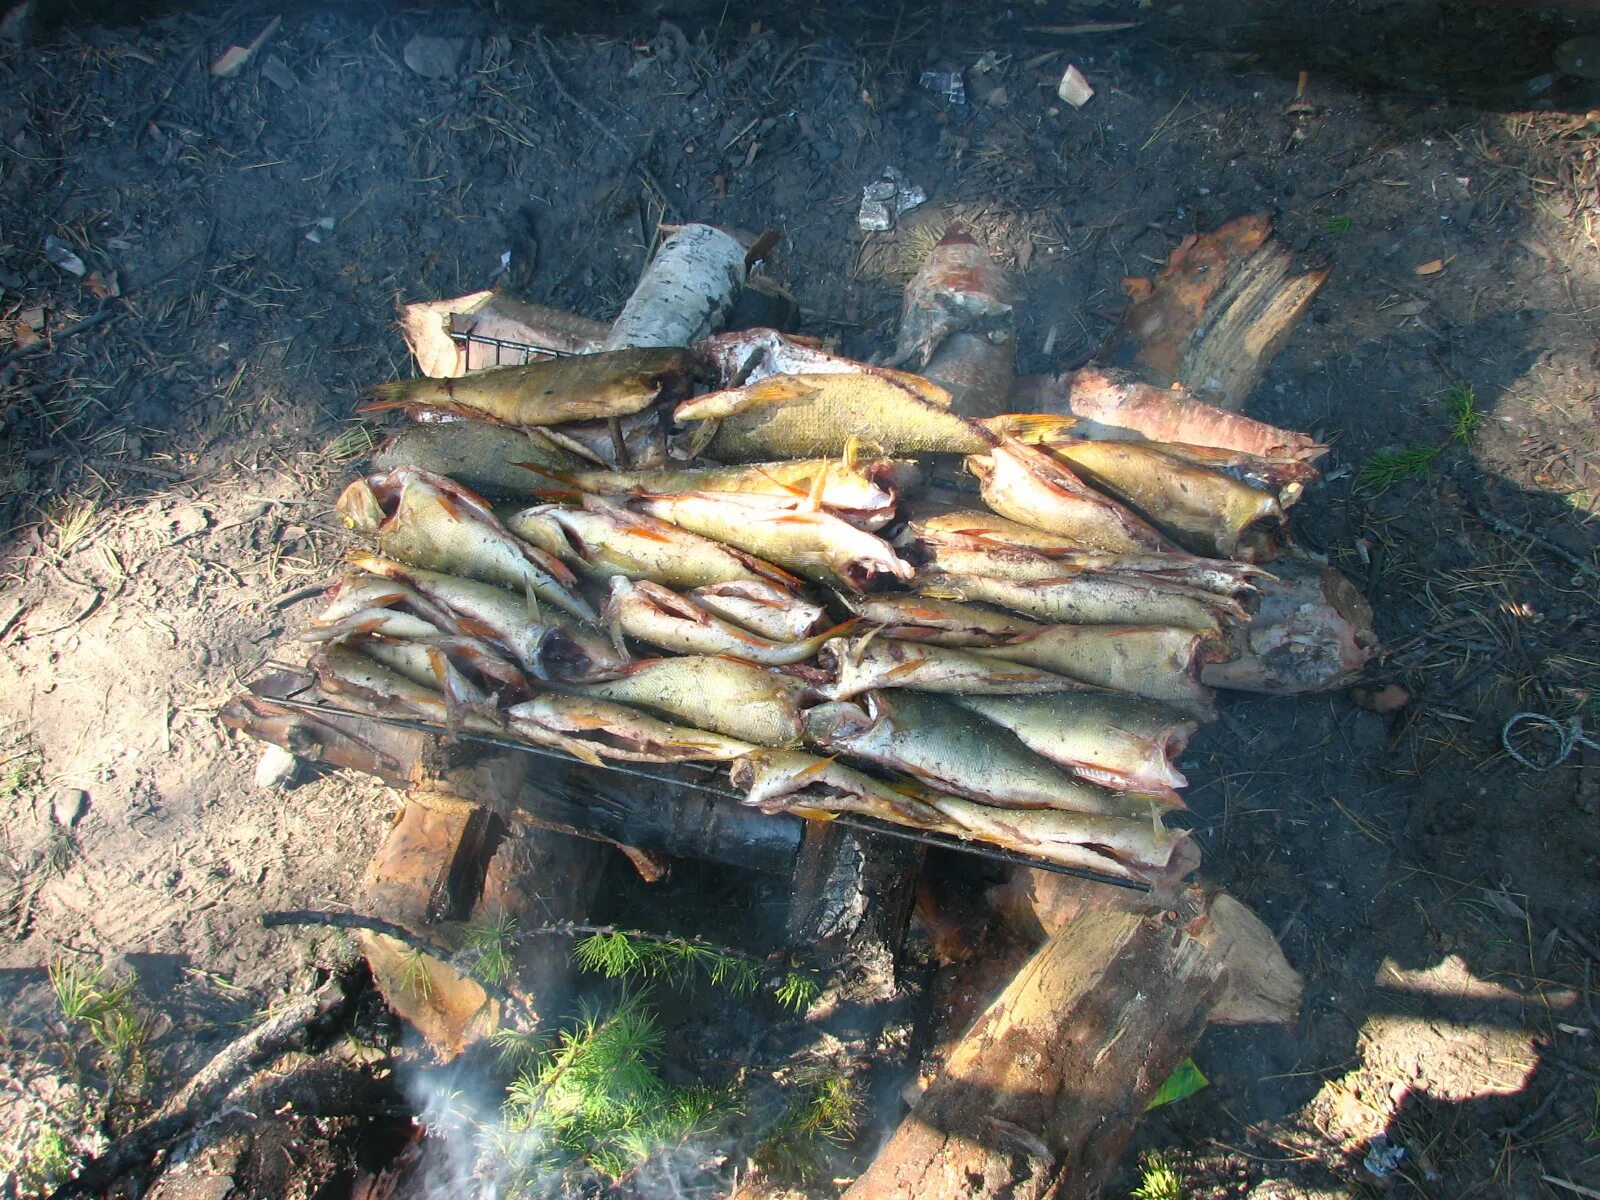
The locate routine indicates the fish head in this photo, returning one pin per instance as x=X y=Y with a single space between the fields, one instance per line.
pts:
x=359 y=508
x=836 y=720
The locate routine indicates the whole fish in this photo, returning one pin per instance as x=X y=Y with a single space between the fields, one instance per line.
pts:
x=546 y=646
x=949 y=749
x=431 y=667
x=761 y=607
x=1116 y=741
x=579 y=387
x=615 y=731
x=1204 y=511
x=957 y=327
x=938 y=622
x=497 y=460
x=791 y=781
x=603 y=540
x=1173 y=415
x=366 y=685
x=977 y=542
x=863 y=492
x=1284 y=479
x=794 y=781
x=1092 y=598
x=815 y=545
x=1143 y=660
x=724 y=695
x=1029 y=486
x=809 y=415
x=391 y=626
x=432 y=522
x=650 y=613
x=870 y=662
x=1137 y=849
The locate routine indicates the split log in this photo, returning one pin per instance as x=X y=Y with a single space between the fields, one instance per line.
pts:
x=1261 y=989
x=1216 y=315
x=685 y=293
x=449 y=338
x=1040 y=1096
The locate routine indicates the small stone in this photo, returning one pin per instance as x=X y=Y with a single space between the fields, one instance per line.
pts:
x=434 y=57
x=69 y=806
x=276 y=768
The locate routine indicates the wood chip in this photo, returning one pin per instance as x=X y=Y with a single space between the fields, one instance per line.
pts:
x=1432 y=267
x=1074 y=88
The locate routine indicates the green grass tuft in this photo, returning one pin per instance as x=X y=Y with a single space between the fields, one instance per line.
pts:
x=105 y=1011
x=1389 y=467
x=798 y=991
x=1337 y=226
x=1461 y=402
x=1158 y=1179
x=672 y=960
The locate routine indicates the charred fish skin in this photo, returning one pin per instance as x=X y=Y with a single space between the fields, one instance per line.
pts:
x=723 y=695
x=948 y=749
x=432 y=522
x=1115 y=741
x=812 y=544
x=580 y=387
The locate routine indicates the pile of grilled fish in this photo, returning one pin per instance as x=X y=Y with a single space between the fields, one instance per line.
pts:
x=754 y=552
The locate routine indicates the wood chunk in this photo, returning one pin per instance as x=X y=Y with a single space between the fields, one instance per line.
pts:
x=1261 y=987
x=1217 y=314
x=1042 y=1093
x=852 y=898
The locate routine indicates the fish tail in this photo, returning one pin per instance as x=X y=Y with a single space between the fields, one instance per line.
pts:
x=1031 y=429
x=403 y=393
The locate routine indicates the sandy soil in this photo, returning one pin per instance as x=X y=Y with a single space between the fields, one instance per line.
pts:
x=172 y=425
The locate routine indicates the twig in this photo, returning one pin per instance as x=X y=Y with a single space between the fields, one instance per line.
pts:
x=605 y=130
x=339 y=920
x=77 y=327
x=1570 y=1186
x=1507 y=529
x=200 y=1097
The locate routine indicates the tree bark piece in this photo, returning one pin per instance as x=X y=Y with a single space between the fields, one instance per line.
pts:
x=1040 y=1096
x=1217 y=314
x=686 y=292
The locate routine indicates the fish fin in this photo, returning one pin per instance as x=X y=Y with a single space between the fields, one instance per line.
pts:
x=705 y=432
x=816 y=768
x=1031 y=429
x=852 y=451
x=531 y=601
x=940 y=591
x=839 y=630
x=813 y=501
x=386 y=396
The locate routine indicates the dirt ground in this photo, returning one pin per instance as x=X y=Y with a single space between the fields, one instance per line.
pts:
x=176 y=420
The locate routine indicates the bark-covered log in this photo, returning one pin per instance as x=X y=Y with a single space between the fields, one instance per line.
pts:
x=686 y=292
x=1040 y=1096
x=852 y=899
